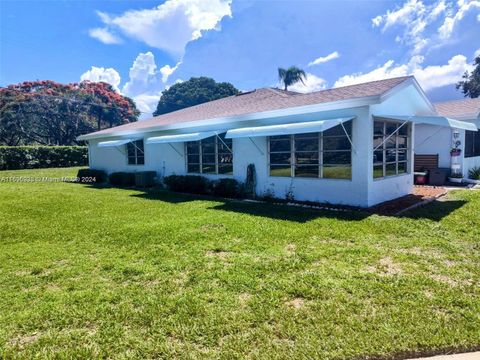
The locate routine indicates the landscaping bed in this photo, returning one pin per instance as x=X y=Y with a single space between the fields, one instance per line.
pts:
x=419 y=196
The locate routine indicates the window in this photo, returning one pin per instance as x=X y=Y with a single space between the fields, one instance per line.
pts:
x=135 y=153
x=391 y=158
x=472 y=143
x=212 y=155
x=325 y=154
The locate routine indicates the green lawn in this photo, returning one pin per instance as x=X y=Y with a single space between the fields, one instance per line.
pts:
x=100 y=272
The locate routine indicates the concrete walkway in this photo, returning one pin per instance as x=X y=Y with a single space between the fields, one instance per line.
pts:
x=466 y=356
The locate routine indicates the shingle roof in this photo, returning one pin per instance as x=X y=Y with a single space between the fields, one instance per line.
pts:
x=464 y=108
x=259 y=100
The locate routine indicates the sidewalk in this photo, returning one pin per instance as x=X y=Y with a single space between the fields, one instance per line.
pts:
x=466 y=356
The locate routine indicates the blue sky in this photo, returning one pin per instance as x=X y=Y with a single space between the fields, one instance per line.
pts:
x=141 y=47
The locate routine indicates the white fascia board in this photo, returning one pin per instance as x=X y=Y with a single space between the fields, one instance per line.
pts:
x=299 y=110
x=113 y=143
x=432 y=120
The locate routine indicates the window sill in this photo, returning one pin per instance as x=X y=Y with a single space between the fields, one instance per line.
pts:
x=204 y=174
x=391 y=176
x=307 y=178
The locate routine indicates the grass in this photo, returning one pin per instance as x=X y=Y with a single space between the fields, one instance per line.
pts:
x=89 y=272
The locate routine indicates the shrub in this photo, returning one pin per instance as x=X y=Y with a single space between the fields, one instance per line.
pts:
x=474 y=173
x=229 y=188
x=91 y=176
x=32 y=157
x=122 y=179
x=189 y=184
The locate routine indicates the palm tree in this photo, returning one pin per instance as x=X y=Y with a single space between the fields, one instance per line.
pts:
x=291 y=76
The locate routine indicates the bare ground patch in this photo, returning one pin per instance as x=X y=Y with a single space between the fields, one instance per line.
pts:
x=219 y=254
x=25 y=339
x=385 y=267
x=296 y=303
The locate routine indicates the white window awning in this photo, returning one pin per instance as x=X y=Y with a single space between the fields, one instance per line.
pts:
x=433 y=120
x=180 y=137
x=286 y=129
x=113 y=143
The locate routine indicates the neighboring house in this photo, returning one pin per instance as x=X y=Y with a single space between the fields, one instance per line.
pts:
x=431 y=139
x=350 y=145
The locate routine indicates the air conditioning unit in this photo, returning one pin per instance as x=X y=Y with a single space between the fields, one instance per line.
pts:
x=145 y=178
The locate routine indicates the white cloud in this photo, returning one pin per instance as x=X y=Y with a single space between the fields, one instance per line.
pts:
x=324 y=59
x=377 y=21
x=147 y=103
x=171 y=25
x=414 y=16
x=464 y=6
x=401 y=15
x=429 y=77
x=435 y=76
x=312 y=83
x=146 y=81
x=145 y=84
x=476 y=53
x=167 y=70
x=108 y=75
x=104 y=35
x=143 y=75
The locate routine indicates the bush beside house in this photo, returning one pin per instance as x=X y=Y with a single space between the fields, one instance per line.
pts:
x=32 y=157
x=474 y=173
x=122 y=179
x=89 y=176
x=194 y=184
x=188 y=183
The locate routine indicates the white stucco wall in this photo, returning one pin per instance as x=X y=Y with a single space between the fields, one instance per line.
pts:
x=158 y=157
x=431 y=140
x=335 y=191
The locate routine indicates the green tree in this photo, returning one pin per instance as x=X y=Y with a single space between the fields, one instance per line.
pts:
x=49 y=113
x=195 y=91
x=471 y=85
x=291 y=76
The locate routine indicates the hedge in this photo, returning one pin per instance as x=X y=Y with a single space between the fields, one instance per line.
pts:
x=228 y=188
x=32 y=157
x=91 y=176
x=122 y=179
x=195 y=184
x=187 y=183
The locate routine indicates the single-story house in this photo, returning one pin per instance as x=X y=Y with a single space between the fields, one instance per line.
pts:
x=351 y=145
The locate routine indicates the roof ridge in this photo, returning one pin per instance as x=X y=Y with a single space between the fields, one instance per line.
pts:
x=456 y=100
x=363 y=83
x=281 y=92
